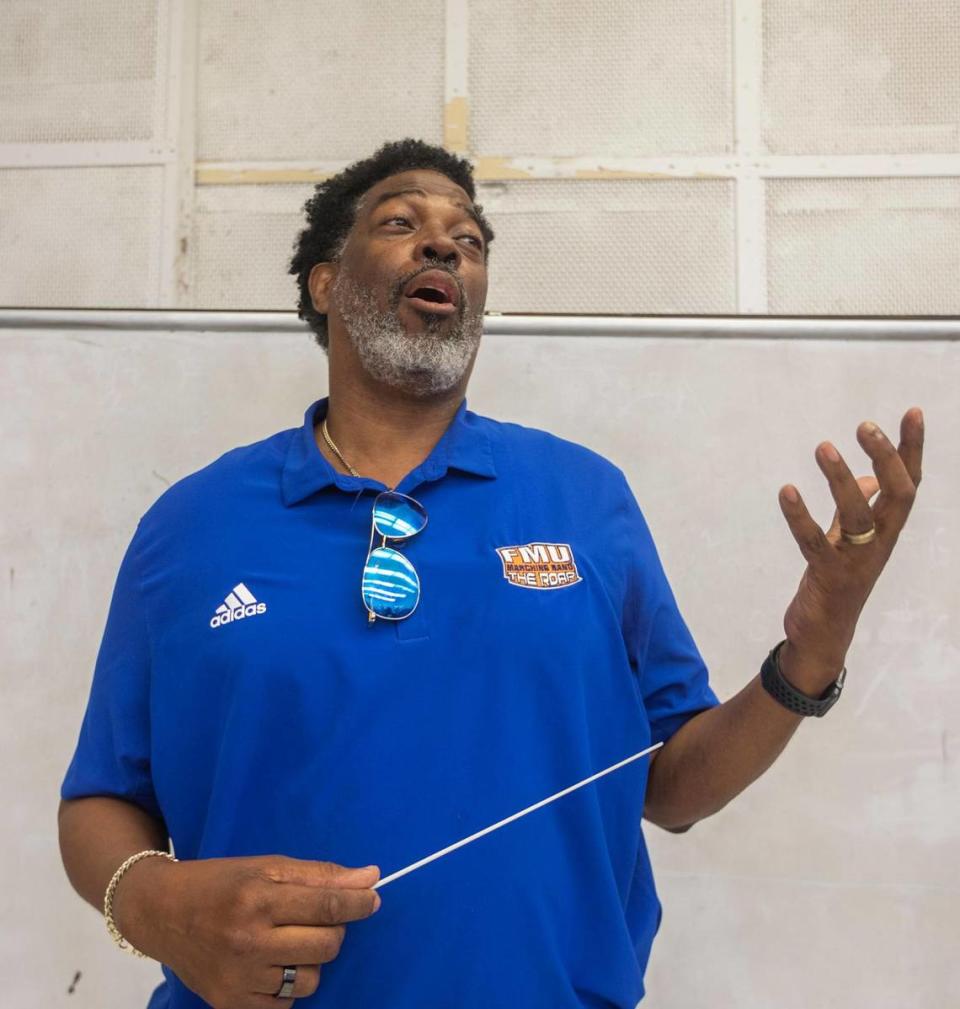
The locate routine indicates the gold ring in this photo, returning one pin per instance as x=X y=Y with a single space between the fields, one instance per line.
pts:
x=858 y=539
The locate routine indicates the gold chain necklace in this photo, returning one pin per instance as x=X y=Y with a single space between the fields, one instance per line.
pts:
x=335 y=450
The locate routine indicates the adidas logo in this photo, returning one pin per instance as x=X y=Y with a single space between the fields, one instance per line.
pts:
x=239 y=603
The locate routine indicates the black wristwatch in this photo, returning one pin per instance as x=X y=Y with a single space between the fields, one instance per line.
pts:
x=786 y=694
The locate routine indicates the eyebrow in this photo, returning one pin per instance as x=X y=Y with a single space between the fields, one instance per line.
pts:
x=383 y=197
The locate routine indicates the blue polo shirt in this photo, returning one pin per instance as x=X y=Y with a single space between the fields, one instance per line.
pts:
x=241 y=694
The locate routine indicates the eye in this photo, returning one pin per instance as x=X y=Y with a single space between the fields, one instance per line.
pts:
x=477 y=242
x=398 y=217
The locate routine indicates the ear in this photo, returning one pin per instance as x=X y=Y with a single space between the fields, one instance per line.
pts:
x=319 y=283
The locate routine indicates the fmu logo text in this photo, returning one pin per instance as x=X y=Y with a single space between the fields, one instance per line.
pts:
x=540 y=565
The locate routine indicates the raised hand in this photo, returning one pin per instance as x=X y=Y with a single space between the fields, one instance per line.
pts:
x=821 y=619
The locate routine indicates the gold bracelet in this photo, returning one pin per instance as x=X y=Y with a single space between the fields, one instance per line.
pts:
x=111 y=890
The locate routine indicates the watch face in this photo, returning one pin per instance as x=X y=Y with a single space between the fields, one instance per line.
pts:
x=827 y=703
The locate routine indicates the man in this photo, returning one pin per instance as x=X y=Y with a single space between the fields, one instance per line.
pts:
x=303 y=683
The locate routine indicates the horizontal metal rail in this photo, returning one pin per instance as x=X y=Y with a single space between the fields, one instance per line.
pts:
x=731 y=327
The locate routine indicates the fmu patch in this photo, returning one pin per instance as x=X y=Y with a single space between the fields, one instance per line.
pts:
x=540 y=565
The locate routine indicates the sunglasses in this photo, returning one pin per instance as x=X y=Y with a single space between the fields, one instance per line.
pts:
x=390 y=586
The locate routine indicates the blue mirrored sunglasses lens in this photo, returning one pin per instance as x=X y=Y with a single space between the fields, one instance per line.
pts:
x=390 y=584
x=398 y=517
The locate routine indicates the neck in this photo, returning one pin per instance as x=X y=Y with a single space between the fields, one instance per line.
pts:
x=381 y=432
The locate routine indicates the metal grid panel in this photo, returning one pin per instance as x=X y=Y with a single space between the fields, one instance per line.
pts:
x=562 y=246
x=615 y=78
x=612 y=246
x=243 y=239
x=72 y=71
x=80 y=237
x=864 y=246
x=321 y=80
x=861 y=76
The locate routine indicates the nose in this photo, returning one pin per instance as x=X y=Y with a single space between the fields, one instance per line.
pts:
x=440 y=247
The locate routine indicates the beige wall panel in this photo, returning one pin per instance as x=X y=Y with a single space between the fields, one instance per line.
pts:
x=80 y=237
x=863 y=246
x=615 y=79
x=77 y=71
x=243 y=239
x=861 y=76
x=561 y=246
x=611 y=246
x=321 y=80
x=845 y=852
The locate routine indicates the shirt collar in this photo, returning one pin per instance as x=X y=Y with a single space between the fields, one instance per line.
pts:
x=464 y=446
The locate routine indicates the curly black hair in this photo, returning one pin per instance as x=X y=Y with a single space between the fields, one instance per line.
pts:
x=332 y=208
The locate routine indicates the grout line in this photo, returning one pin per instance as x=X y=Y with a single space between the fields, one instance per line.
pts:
x=497 y=168
x=751 y=225
x=455 y=100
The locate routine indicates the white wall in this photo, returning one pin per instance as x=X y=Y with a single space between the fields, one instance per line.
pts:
x=831 y=882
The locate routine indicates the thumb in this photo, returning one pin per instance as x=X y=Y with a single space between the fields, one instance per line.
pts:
x=869 y=485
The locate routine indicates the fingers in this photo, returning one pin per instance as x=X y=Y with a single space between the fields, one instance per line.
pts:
x=281 y=869
x=910 y=448
x=294 y=904
x=811 y=539
x=303 y=944
x=307 y=982
x=897 y=486
x=869 y=487
x=898 y=473
x=853 y=510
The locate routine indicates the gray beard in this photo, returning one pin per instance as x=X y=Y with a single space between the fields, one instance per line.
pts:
x=419 y=364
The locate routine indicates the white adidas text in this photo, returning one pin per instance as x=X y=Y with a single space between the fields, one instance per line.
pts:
x=238 y=614
x=240 y=603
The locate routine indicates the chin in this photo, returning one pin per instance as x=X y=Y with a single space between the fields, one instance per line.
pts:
x=427 y=322
x=424 y=385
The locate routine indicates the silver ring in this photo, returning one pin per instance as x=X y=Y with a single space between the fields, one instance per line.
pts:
x=289 y=980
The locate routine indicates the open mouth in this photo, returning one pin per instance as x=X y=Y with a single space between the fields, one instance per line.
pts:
x=433 y=292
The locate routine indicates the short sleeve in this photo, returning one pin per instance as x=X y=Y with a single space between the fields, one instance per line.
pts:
x=673 y=678
x=113 y=751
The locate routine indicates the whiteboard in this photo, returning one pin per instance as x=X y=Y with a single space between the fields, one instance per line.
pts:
x=831 y=881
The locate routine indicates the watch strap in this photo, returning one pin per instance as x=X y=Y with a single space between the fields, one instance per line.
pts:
x=782 y=691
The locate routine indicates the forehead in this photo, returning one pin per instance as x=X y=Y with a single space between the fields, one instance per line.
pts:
x=433 y=184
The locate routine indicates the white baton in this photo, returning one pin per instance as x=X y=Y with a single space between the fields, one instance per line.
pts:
x=510 y=819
